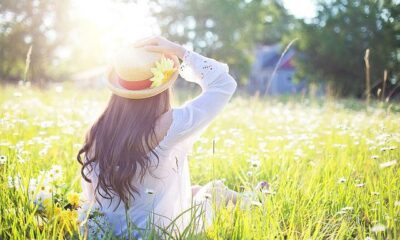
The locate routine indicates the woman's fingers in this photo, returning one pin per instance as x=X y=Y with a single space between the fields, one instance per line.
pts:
x=161 y=45
x=146 y=41
x=158 y=49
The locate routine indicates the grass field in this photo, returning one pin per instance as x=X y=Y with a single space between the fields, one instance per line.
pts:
x=334 y=171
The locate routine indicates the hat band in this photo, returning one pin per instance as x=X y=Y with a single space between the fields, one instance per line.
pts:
x=135 y=85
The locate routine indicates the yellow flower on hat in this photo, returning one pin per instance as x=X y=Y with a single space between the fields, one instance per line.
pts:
x=162 y=71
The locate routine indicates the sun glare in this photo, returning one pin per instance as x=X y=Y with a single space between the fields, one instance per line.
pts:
x=115 y=23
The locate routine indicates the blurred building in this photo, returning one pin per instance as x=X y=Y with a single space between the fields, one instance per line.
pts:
x=262 y=78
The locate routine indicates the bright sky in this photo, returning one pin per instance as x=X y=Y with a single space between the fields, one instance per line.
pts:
x=301 y=8
x=118 y=22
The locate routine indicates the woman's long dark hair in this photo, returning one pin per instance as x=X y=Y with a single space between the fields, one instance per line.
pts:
x=119 y=143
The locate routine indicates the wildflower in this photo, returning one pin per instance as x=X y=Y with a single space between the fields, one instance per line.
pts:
x=67 y=218
x=57 y=211
x=73 y=198
x=10 y=182
x=262 y=186
x=374 y=156
x=3 y=159
x=347 y=209
x=397 y=203
x=360 y=185
x=388 y=164
x=375 y=193
x=32 y=184
x=378 y=228
x=256 y=203
x=384 y=149
x=47 y=207
x=42 y=195
x=341 y=212
x=14 y=182
x=55 y=173
x=255 y=162
x=342 y=180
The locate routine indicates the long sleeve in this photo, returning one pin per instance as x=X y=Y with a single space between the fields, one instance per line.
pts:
x=217 y=89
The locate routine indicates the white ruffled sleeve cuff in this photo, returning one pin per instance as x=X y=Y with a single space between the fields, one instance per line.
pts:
x=199 y=69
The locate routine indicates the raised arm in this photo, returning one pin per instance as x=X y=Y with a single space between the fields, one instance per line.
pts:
x=212 y=76
x=217 y=88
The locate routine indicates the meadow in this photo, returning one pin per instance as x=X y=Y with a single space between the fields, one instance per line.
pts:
x=333 y=166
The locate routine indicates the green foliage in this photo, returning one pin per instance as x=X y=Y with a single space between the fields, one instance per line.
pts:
x=327 y=165
x=42 y=24
x=331 y=46
x=334 y=44
x=225 y=29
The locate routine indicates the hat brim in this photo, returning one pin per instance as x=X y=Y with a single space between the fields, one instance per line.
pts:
x=116 y=88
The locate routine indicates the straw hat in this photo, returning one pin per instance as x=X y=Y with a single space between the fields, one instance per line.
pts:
x=131 y=73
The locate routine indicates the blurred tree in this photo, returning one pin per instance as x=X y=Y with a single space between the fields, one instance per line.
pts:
x=225 y=29
x=42 y=24
x=334 y=44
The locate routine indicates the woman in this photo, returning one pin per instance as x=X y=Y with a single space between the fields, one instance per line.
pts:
x=135 y=156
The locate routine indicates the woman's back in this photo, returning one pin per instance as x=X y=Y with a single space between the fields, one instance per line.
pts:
x=165 y=190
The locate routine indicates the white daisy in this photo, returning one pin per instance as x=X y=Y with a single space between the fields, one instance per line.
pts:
x=388 y=164
x=360 y=185
x=347 y=209
x=10 y=182
x=3 y=159
x=342 y=180
x=256 y=203
x=378 y=228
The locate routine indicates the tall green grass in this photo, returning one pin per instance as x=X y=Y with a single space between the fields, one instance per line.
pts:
x=334 y=170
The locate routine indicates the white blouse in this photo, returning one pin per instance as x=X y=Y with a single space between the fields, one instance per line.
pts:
x=166 y=193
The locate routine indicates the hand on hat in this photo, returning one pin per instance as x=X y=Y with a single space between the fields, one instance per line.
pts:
x=161 y=45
